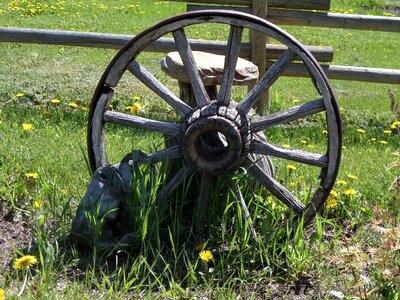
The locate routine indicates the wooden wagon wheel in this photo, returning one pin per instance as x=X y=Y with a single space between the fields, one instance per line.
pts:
x=221 y=115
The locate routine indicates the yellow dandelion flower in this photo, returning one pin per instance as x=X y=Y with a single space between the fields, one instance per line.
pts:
x=137 y=98
x=38 y=203
x=395 y=124
x=350 y=192
x=27 y=126
x=341 y=182
x=331 y=203
x=205 y=255
x=55 y=101
x=325 y=131
x=311 y=146
x=286 y=145
x=303 y=141
x=291 y=168
x=359 y=130
x=20 y=94
x=344 y=147
x=351 y=176
x=334 y=193
x=2 y=294
x=388 y=131
x=295 y=101
x=32 y=175
x=73 y=105
x=25 y=262
x=384 y=142
x=373 y=139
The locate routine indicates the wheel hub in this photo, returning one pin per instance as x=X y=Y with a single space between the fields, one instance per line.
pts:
x=215 y=138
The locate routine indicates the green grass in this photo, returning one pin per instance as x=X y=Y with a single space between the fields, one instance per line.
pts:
x=351 y=248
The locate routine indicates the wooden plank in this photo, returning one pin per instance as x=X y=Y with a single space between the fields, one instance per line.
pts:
x=333 y=20
x=320 y=19
x=258 y=41
x=298 y=4
x=364 y=74
x=116 y=41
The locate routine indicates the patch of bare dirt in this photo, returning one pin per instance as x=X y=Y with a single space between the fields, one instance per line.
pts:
x=14 y=233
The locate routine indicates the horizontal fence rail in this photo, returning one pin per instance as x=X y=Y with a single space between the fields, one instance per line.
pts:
x=318 y=19
x=298 y=4
x=377 y=75
x=116 y=41
x=164 y=45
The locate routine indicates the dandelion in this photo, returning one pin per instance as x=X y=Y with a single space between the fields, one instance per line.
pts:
x=311 y=146
x=20 y=94
x=344 y=147
x=55 y=101
x=395 y=124
x=303 y=142
x=334 y=193
x=25 y=262
x=38 y=203
x=205 y=255
x=295 y=101
x=350 y=192
x=32 y=175
x=2 y=294
x=286 y=146
x=351 y=176
x=341 y=182
x=331 y=203
x=324 y=131
x=373 y=139
x=73 y=105
x=27 y=126
x=387 y=131
x=291 y=168
x=359 y=130
x=384 y=142
x=137 y=98
x=135 y=107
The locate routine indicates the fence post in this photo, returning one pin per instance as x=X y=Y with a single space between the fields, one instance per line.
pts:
x=258 y=51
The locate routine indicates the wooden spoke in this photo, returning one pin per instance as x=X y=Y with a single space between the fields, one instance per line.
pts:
x=231 y=58
x=143 y=123
x=165 y=154
x=157 y=87
x=266 y=81
x=289 y=115
x=314 y=159
x=186 y=54
x=169 y=188
x=275 y=187
x=238 y=195
x=202 y=206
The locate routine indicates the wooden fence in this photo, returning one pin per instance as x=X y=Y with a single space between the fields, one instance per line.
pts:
x=281 y=12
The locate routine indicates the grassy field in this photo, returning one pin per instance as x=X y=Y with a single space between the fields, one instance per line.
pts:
x=351 y=251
